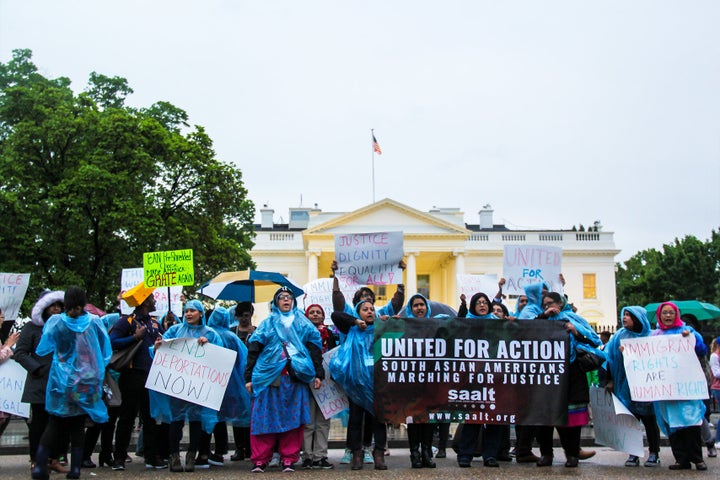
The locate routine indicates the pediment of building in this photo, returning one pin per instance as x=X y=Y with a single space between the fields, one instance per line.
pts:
x=385 y=216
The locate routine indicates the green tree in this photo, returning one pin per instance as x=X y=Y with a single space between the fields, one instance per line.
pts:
x=686 y=269
x=89 y=184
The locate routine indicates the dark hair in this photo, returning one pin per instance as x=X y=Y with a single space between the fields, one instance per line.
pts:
x=75 y=297
x=243 y=307
x=555 y=297
x=502 y=305
x=359 y=293
x=476 y=298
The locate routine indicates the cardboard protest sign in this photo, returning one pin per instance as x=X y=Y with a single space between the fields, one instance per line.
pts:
x=13 y=287
x=369 y=258
x=527 y=264
x=613 y=424
x=320 y=292
x=471 y=370
x=330 y=397
x=471 y=284
x=195 y=373
x=12 y=384
x=663 y=367
x=169 y=268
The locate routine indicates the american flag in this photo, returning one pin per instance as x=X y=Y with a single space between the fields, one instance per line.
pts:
x=376 y=146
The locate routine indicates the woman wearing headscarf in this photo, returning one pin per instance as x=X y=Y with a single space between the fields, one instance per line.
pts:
x=235 y=406
x=167 y=409
x=680 y=420
x=317 y=430
x=38 y=367
x=582 y=338
x=635 y=324
x=420 y=434
x=352 y=367
x=284 y=356
x=81 y=352
x=480 y=308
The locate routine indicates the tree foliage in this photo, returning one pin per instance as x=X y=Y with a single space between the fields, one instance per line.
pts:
x=686 y=269
x=89 y=184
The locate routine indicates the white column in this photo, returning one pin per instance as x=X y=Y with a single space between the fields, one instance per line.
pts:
x=411 y=271
x=312 y=272
x=459 y=269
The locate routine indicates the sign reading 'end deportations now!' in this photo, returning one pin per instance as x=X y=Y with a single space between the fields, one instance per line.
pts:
x=169 y=268
x=195 y=373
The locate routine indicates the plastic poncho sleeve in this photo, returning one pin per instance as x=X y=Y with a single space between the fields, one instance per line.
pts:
x=352 y=366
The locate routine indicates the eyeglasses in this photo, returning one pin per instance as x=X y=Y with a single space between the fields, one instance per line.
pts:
x=547 y=305
x=482 y=302
x=284 y=297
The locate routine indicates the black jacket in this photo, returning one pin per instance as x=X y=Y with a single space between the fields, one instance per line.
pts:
x=37 y=367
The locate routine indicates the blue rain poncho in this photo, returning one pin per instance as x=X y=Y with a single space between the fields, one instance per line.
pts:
x=167 y=409
x=81 y=351
x=615 y=364
x=672 y=415
x=284 y=334
x=236 y=402
x=353 y=365
x=533 y=308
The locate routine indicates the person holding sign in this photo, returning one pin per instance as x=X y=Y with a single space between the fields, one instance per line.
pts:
x=315 y=439
x=235 y=406
x=6 y=351
x=81 y=352
x=680 y=420
x=352 y=367
x=284 y=356
x=634 y=324
x=166 y=408
x=480 y=306
x=582 y=338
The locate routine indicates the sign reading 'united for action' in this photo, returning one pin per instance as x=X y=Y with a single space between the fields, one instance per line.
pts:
x=471 y=370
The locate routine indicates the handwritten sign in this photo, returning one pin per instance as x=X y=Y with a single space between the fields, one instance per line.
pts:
x=132 y=276
x=320 y=292
x=12 y=383
x=469 y=285
x=195 y=373
x=13 y=287
x=614 y=425
x=169 y=268
x=527 y=264
x=663 y=367
x=369 y=258
x=330 y=397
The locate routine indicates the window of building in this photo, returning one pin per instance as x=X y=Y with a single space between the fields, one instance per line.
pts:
x=423 y=285
x=589 y=285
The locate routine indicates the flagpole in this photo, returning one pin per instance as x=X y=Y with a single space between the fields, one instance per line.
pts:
x=372 y=148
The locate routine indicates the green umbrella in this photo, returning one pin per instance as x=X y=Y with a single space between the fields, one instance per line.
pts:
x=701 y=310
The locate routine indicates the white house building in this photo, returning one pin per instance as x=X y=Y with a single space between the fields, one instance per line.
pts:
x=438 y=245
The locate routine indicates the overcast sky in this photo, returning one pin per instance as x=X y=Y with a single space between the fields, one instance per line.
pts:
x=554 y=112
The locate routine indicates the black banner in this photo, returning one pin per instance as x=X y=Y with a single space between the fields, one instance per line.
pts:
x=471 y=371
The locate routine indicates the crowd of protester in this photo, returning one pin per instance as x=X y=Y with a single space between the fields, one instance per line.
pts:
x=269 y=404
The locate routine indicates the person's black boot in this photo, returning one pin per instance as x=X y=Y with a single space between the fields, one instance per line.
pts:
x=76 y=458
x=40 y=471
x=427 y=456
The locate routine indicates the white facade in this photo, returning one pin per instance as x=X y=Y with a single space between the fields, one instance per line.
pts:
x=438 y=246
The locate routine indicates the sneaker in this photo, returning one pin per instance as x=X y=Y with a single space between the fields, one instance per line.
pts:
x=307 y=464
x=202 y=462
x=653 y=460
x=347 y=457
x=118 y=464
x=323 y=463
x=215 y=459
x=288 y=468
x=712 y=451
x=159 y=464
x=259 y=468
x=275 y=461
x=632 y=461
x=367 y=456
